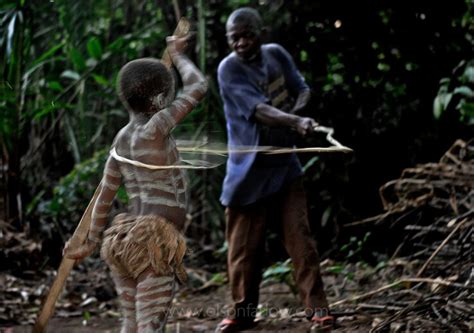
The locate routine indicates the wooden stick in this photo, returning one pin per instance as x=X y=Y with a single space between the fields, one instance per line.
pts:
x=396 y=283
x=182 y=29
x=80 y=234
x=66 y=266
x=355 y=298
x=446 y=240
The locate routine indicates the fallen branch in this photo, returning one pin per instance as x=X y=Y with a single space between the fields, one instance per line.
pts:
x=446 y=240
x=401 y=282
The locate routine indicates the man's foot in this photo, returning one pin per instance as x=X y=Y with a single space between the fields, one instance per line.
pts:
x=322 y=324
x=233 y=325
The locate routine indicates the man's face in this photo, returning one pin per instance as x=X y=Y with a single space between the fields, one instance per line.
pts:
x=244 y=40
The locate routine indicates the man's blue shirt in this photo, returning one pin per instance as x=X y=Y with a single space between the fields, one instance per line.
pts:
x=273 y=79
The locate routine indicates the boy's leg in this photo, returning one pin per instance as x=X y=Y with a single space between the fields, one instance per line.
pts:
x=126 y=290
x=301 y=247
x=155 y=294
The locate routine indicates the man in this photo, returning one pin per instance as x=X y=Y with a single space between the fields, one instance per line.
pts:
x=262 y=90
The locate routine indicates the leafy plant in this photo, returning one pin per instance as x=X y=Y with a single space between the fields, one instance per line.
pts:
x=63 y=211
x=281 y=272
x=457 y=93
x=355 y=246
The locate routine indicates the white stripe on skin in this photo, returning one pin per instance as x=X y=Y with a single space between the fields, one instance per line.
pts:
x=157 y=186
x=155 y=291
x=100 y=215
x=162 y=202
x=111 y=186
x=147 y=315
x=142 y=304
x=151 y=282
x=113 y=173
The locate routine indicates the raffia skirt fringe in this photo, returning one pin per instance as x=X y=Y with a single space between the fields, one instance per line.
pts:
x=134 y=243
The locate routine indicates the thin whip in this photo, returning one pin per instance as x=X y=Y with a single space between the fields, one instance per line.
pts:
x=269 y=150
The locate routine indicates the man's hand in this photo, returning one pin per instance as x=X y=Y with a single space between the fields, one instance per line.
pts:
x=81 y=252
x=305 y=125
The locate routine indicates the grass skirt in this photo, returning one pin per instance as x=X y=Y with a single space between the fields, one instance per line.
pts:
x=133 y=243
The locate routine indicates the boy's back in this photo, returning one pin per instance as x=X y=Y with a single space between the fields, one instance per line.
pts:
x=144 y=247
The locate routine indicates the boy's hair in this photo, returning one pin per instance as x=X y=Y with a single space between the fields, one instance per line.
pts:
x=245 y=16
x=140 y=80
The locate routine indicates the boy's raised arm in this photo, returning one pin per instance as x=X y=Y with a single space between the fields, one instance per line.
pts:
x=194 y=86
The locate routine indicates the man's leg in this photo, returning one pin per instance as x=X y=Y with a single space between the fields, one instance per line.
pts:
x=155 y=294
x=245 y=233
x=301 y=247
x=126 y=290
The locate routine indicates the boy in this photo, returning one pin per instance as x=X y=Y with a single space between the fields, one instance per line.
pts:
x=144 y=248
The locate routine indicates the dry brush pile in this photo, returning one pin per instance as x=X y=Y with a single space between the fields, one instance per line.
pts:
x=433 y=205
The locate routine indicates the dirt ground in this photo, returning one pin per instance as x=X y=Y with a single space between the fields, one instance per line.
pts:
x=194 y=310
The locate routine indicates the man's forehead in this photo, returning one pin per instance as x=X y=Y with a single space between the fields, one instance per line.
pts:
x=239 y=27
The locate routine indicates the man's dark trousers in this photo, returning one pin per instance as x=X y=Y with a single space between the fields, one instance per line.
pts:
x=246 y=226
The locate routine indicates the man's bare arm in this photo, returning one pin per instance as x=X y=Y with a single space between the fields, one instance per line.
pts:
x=301 y=101
x=270 y=116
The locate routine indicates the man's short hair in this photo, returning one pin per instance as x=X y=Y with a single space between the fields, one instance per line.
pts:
x=245 y=16
x=142 y=79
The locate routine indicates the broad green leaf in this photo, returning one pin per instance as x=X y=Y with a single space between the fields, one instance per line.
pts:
x=444 y=81
x=469 y=74
x=335 y=269
x=77 y=59
x=11 y=34
x=383 y=67
x=69 y=74
x=326 y=216
x=465 y=91
x=86 y=315
x=303 y=56
x=409 y=66
x=446 y=99
x=94 y=48
x=91 y=62
x=117 y=44
x=337 y=78
x=45 y=111
x=55 y=85
x=100 y=80
x=276 y=271
x=437 y=107
x=47 y=54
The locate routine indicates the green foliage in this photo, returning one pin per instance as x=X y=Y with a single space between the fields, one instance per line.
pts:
x=373 y=82
x=70 y=197
x=341 y=269
x=218 y=279
x=281 y=272
x=353 y=249
x=457 y=93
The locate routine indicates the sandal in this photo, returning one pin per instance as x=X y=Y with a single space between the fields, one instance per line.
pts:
x=234 y=325
x=322 y=324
